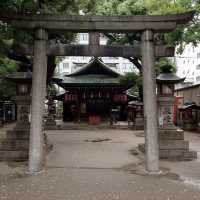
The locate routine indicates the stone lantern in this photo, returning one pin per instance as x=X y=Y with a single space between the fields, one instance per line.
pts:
x=165 y=92
x=15 y=146
x=172 y=145
x=23 y=90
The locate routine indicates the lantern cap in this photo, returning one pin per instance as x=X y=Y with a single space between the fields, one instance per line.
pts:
x=169 y=77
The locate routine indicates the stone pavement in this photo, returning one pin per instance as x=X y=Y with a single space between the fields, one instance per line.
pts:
x=98 y=165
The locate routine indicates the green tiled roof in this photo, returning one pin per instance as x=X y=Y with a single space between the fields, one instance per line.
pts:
x=90 y=79
x=95 y=66
x=94 y=73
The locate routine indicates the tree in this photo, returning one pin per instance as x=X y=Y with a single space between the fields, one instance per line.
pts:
x=164 y=62
x=103 y=7
x=186 y=33
x=10 y=37
x=183 y=34
x=7 y=87
x=134 y=80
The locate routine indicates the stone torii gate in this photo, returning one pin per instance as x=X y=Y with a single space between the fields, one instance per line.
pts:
x=146 y=25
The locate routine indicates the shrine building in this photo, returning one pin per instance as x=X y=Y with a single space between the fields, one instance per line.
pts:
x=91 y=93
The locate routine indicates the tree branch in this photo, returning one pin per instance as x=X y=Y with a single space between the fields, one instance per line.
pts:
x=135 y=61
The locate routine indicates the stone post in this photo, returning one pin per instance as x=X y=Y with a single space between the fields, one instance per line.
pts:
x=150 y=103
x=94 y=38
x=94 y=42
x=36 y=149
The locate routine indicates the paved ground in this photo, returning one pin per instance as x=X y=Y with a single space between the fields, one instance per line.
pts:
x=79 y=169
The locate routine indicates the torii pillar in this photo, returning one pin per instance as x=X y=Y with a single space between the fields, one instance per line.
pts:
x=150 y=103
x=36 y=149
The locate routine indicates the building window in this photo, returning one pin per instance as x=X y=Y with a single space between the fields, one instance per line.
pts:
x=65 y=65
x=198 y=55
x=84 y=58
x=198 y=78
x=84 y=36
x=198 y=67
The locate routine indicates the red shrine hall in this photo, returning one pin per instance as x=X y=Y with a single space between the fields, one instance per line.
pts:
x=91 y=93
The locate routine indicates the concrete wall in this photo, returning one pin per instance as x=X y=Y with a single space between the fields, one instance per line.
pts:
x=190 y=94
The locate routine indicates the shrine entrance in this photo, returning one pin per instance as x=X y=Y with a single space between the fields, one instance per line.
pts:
x=147 y=50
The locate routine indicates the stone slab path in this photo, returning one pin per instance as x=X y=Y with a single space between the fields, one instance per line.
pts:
x=98 y=165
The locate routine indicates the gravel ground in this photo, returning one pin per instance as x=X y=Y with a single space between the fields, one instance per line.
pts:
x=98 y=165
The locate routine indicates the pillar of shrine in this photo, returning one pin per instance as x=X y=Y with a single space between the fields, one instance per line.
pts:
x=37 y=145
x=150 y=103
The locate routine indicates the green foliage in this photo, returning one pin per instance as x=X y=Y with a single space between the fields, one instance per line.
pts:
x=51 y=90
x=134 y=81
x=7 y=87
x=163 y=63
x=9 y=36
x=129 y=79
x=44 y=6
x=184 y=33
x=115 y=7
x=163 y=7
x=166 y=68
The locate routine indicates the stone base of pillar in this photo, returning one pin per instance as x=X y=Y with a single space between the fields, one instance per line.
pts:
x=15 y=146
x=172 y=146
